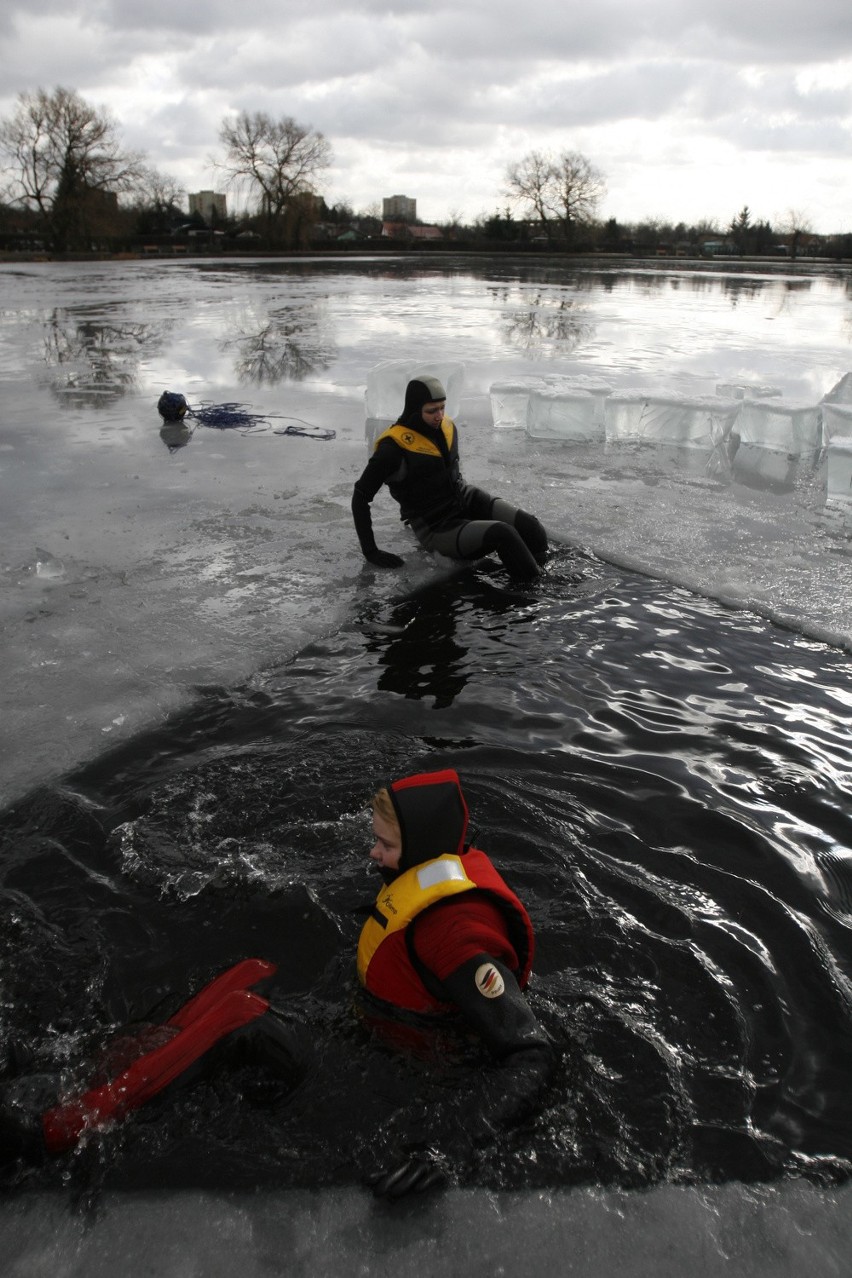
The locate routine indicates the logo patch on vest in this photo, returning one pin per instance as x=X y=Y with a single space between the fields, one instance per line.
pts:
x=408 y=438
x=488 y=981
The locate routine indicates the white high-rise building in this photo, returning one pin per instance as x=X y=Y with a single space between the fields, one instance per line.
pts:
x=399 y=208
x=212 y=206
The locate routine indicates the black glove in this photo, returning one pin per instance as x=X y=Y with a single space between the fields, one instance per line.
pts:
x=413 y=1174
x=384 y=559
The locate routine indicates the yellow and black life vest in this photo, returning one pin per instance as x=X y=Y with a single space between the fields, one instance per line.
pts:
x=385 y=966
x=429 y=485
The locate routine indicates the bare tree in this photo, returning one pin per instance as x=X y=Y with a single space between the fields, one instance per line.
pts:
x=156 y=202
x=63 y=159
x=794 y=226
x=157 y=190
x=563 y=191
x=530 y=182
x=280 y=162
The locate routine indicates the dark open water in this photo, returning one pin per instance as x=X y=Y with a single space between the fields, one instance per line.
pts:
x=665 y=782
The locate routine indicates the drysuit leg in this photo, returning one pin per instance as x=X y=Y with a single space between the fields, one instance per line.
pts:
x=486 y=536
x=531 y=529
x=162 y=1055
x=64 y=1124
x=480 y=505
x=275 y=1042
x=475 y=538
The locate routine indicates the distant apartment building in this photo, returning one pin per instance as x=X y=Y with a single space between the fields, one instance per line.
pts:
x=399 y=208
x=212 y=206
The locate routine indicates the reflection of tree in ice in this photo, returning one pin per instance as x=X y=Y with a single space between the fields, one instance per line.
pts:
x=94 y=361
x=547 y=322
x=737 y=289
x=544 y=320
x=290 y=343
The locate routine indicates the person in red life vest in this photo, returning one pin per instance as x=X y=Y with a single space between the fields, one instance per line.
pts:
x=418 y=459
x=448 y=936
x=447 y=941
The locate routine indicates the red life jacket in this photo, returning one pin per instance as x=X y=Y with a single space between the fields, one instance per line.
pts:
x=388 y=965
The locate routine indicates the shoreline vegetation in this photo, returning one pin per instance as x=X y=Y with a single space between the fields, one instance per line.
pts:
x=443 y=253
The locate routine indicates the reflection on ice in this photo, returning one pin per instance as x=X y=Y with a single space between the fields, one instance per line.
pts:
x=544 y=321
x=290 y=342
x=95 y=358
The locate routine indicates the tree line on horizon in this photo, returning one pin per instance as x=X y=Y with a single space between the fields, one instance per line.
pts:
x=69 y=183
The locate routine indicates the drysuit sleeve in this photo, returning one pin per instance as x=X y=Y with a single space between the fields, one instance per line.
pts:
x=379 y=468
x=488 y=996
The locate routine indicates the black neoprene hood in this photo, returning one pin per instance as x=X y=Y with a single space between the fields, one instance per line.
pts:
x=432 y=815
x=420 y=391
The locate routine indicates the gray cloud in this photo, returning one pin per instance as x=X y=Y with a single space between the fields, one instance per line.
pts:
x=408 y=90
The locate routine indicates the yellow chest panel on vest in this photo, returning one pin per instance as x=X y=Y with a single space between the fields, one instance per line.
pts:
x=405 y=898
x=413 y=442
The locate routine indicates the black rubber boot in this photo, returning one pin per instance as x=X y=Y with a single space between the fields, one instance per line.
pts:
x=512 y=550
x=533 y=533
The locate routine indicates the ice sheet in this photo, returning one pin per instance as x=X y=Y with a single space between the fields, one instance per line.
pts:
x=762 y=1231
x=133 y=573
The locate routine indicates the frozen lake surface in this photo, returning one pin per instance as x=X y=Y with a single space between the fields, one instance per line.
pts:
x=202 y=613
x=132 y=574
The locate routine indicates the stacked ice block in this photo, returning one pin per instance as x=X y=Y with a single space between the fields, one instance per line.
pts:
x=700 y=424
x=386 y=383
x=551 y=406
x=563 y=412
x=776 y=438
x=837 y=425
x=510 y=402
x=747 y=428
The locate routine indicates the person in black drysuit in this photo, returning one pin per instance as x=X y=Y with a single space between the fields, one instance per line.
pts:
x=418 y=458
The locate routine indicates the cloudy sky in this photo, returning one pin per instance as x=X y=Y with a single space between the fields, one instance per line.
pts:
x=691 y=108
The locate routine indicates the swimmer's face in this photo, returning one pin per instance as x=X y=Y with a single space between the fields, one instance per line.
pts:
x=433 y=412
x=387 y=848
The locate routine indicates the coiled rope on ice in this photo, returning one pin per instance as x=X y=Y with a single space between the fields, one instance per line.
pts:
x=173 y=407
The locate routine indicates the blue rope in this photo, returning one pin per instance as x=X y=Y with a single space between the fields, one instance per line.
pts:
x=227 y=417
x=232 y=416
x=306 y=429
